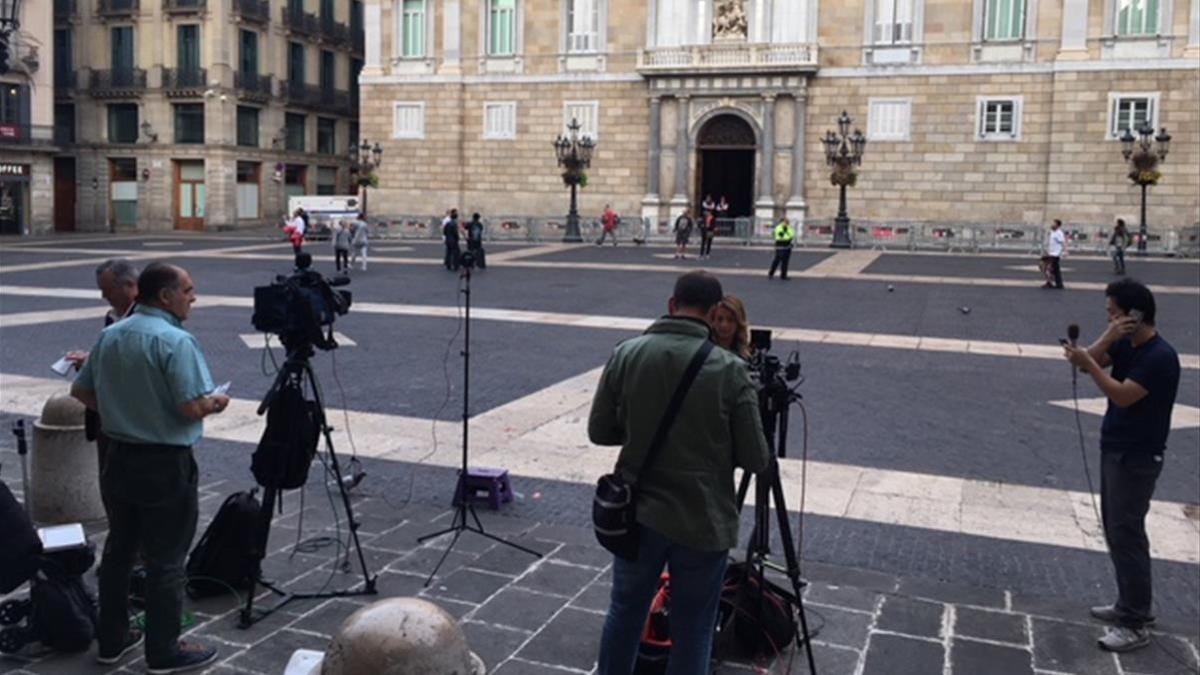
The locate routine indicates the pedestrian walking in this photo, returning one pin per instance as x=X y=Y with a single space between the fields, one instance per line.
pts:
x=1119 y=241
x=1056 y=248
x=295 y=229
x=784 y=234
x=149 y=381
x=686 y=507
x=475 y=241
x=608 y=223
x=1141 y=390
x=360 y=241
x=341 y=246
x=450 y=239
x=683 y=232
x=708 y=231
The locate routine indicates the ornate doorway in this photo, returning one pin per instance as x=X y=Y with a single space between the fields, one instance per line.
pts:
x=725 y=163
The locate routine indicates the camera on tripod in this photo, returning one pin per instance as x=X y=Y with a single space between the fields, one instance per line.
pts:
x=298 y=307
x=767 y=370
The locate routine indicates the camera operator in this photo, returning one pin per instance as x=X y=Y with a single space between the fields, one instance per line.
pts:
x=686 y=506
x=1141 y=394
x=150 y=383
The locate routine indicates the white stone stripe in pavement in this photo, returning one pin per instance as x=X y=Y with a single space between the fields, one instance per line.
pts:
x=781 y=334
x=543 y=435
x=1182 y=416
x=259 y=340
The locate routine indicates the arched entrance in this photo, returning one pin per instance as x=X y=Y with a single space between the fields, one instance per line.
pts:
x=725 y=163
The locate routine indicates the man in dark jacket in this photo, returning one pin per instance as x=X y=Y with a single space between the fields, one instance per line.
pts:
x=686 y=506
x=475 y=241
x=450 y=239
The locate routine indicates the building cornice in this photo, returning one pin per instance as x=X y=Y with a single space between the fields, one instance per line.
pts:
x=1106 y=65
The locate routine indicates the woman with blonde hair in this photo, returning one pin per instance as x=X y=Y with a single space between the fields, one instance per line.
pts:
x=730 y=326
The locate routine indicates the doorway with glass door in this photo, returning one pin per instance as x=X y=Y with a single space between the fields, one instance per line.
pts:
x=190 y=195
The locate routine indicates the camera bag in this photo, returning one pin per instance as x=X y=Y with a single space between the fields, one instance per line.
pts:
x=289 y=442
x=223 y=558
x=614 y=508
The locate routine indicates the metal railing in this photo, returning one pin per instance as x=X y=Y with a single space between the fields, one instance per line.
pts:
x=185 y=80
x=299 y=22
x=117 y=7
x=258 y=11
x=184 y=6
x=333 y=33
x=124 y=81
x=300 y=93
x=253 y=85
x=65 y=10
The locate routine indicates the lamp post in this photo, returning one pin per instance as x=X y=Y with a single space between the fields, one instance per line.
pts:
x=574 y=154
x=10 y=13
x=364 y=160
x=843 y=152
x=1143 y=157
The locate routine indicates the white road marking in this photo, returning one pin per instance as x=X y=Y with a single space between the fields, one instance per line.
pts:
x=389 y=249
x=543 y=435
x=260 y=341
x=162 y=243
x=1182 y=416
x=844 y=263
x=1034 y=269
x=781 y=333
x=51 y=316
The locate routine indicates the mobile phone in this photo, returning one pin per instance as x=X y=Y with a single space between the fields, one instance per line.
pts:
x=1136 y=315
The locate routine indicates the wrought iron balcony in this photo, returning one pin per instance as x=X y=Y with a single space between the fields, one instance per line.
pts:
x=334 y=33
x=117 y=8
x=185 y=81
x=252 y=85
x=336 y=101
x=727 y=57
x=299 y=22
x=65 y=10
x=184 y=6
x=254 y=11
x=301 y=94
x=122 y=82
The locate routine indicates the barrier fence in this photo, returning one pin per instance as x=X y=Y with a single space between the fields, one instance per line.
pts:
x=817 y=233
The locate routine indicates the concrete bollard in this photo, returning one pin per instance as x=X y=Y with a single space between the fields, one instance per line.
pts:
x=400 y=636
x=64 y=472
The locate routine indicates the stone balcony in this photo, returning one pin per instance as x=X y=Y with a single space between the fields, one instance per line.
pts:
x=727 y=57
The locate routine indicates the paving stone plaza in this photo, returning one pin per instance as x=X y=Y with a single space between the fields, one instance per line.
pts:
x=947 y=523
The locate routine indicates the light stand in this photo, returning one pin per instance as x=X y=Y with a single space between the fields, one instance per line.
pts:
x=464 y=506
x=296 y=372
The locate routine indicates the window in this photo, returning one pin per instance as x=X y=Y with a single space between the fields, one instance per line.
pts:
x=1131 y=111
x=187 y=48
x=353 y=135
x=247 y=189
x=327 y=81
x=14 y=104
x=583 y=25
x=122 y=123
x=122 y=49
x=412 y=29
x=327 y=180
x=248 y=63
x=294 y=125
x=1003 y=20
x=296 y=62
x=247 y=126
x=326 y=135
x=1137 y=17
x=587 y=113
x=64 y=60
x=893 y=21
x=502 y=27
x=500 y=120
x=999 y=118
x=789 y=21
x=64 y=123
x=889 y=119
x=409 y=120
x=326 y=11
x=189 y=123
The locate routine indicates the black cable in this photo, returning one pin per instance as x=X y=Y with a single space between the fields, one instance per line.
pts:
x=1087 y=472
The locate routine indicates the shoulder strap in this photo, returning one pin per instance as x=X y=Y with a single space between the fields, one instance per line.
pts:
x=668 y=418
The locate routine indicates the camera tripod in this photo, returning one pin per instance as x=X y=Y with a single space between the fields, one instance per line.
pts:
x=295 y=373
x=775 y=398
x=463 y=506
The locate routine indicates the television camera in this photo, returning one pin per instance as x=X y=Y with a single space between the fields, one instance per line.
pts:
x=301 y=307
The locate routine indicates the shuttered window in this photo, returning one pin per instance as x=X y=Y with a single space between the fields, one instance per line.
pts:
x=889 y=119
x=500 y=120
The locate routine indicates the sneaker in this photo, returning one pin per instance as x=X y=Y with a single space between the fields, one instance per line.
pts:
x=1122 y=639
x=133 y=639
x=188 y=656
x=1110 y=614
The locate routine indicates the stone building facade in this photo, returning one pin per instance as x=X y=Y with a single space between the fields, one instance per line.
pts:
x=26 y=144
x=194 y=114
x=984 y=111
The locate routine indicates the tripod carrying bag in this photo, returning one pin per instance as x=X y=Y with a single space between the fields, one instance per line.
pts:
x=289 y=442
x=614 y=508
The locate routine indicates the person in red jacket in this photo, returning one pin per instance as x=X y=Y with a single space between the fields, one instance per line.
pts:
x=608 y=220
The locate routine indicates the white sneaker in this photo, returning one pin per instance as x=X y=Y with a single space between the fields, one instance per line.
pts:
x=1122 y=639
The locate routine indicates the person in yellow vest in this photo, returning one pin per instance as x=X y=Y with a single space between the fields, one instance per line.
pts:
x=785 y=234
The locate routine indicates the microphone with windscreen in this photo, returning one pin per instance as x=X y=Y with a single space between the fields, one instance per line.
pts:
x=1073 y=333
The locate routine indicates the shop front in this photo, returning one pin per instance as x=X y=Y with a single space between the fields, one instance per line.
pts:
x=14 y=198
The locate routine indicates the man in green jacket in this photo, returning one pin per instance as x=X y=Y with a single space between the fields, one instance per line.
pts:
x=686 y=502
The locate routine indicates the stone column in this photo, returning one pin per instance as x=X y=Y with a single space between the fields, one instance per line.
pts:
x=682 y=149
x=796 y=206
x=653 y=199
x=1074 y=30
x=764 y=207
x=372 y=38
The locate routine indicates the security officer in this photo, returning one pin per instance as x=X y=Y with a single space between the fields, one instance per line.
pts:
x=785 y=234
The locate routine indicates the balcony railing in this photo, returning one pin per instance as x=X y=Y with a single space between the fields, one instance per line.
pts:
x=256 y=11
x=185 y=81
x=727 y=57
x=26 y=134
x=120 y=82
x=336 y=101
x=184 y=6
x=117 y=8
x=65 y=10
x=299 y=22
x=334 y=33
x=252 y=85
x=299 y=93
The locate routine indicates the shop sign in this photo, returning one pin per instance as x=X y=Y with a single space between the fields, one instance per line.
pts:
x=14 y=169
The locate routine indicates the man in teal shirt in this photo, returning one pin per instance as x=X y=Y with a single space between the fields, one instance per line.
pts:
x=149 y=381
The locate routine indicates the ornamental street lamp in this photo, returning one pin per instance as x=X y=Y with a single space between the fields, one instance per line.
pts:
x=843 y=152
x=364 y=161
x=1143 y=157
x=574 y=155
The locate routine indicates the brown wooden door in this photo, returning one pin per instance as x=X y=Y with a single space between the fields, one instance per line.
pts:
x=190 y=195
x=64 y=194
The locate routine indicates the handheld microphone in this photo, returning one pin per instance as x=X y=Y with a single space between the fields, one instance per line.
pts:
x=1073 y=337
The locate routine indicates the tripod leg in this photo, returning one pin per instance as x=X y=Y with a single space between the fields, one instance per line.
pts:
x=263 y=532
x=793 y=570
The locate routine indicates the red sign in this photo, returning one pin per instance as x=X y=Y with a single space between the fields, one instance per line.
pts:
x=9 y=132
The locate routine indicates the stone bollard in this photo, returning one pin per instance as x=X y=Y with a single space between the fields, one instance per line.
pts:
x=64 y=473
x=400 y=636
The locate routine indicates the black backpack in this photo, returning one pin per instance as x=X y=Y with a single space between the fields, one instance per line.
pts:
x=289 y=442
x=753 y=622
x=18 y=555
x=224 y=557
x=64 y=615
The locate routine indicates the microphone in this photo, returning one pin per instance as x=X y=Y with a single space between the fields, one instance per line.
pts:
x=1073 y=333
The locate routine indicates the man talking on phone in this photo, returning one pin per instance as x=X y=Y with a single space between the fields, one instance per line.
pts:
x=1141 y=392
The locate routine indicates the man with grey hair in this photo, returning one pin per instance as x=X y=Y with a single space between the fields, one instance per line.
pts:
x=117 y=280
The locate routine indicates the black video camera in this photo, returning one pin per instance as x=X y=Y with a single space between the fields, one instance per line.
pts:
x=766 y=368
x=299 y=307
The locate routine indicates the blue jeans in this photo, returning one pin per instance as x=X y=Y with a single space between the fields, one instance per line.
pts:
x=696 y=578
